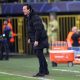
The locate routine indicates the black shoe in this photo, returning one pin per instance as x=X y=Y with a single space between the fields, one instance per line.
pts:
x=39 y=75
x=1 y=58
x=46 y=73
x=6 y=58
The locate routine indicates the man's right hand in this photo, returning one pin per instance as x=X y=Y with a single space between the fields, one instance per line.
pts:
x=28 y=41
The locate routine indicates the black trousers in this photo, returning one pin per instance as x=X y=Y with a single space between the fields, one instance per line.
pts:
x=4 y=47
x=43 y=67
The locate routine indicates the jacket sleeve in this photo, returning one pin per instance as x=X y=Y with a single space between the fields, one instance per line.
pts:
x=37 y=24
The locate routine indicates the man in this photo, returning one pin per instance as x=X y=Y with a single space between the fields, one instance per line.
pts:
x=73 y=37
x=12 y=34
x=53 y=28
x=37 y=37
x=4 y=42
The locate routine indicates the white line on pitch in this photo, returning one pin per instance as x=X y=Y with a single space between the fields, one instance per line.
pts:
x=66 y=70
x=10 y=74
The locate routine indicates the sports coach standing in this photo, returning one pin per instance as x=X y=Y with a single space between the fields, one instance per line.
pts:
x=37 y=37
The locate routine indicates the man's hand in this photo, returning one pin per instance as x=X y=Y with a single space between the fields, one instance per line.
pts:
x=36 y=43
x=28 y=41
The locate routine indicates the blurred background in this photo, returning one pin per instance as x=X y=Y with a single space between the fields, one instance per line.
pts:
x=67 y=14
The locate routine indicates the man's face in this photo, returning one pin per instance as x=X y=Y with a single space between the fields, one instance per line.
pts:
x=52 y=17
x=74 y=29
x=5 y=22
x=26 y=11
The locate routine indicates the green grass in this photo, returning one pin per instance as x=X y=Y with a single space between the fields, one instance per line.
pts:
x=7 y=77
x=24 y=68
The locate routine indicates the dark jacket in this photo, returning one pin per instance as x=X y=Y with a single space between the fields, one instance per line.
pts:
x=7 y=31
x=75 y=37
x=36 y=30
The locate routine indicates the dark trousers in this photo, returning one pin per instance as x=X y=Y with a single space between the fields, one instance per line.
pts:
x=43 y=67
x=4 y=47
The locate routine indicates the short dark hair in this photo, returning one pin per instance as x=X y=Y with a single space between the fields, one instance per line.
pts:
x=28 y=6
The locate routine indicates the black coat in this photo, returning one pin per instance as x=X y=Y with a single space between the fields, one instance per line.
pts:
x=75 y=37
x=36 y=31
